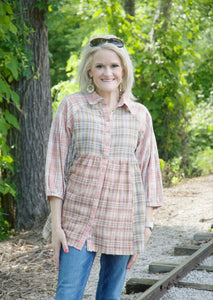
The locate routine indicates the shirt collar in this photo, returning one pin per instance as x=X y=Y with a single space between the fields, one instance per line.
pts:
x=94 y=98
x=125 y=101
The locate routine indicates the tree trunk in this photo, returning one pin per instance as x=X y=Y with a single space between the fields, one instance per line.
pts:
x=162 y=16
x=129 y=6
x=34 y=120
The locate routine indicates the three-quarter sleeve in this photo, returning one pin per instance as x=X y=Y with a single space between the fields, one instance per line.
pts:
x=147 y=156
x=59 y=140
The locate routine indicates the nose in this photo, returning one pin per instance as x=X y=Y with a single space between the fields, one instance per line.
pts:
x=108 y=71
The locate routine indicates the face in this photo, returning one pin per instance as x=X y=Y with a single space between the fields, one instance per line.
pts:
x=106 y=71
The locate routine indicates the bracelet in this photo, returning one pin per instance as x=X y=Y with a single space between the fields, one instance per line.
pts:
x=149 y=225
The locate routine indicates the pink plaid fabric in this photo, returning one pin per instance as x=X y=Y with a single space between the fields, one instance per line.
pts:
x=105 y=168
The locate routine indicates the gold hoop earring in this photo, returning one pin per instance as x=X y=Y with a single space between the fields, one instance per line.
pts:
x=121 y=88
x=90 y=87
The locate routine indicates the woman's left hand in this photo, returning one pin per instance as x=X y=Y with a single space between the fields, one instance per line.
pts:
x=147 y=234
x=133 y=258
x=131 y=261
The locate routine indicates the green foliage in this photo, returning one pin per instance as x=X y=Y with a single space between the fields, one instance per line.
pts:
x=200 y=146
x=162 y=164
x=200 y=71
x=4 y=227
x=172 y=172
x=60 y=90
x=72 y=25
x=200 y=138
x=9 y=70
x=200 y=127
x=162 y=69
x=14 y=64
x=204 y=162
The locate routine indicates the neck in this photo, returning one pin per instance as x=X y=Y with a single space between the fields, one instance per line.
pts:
x=110 y=99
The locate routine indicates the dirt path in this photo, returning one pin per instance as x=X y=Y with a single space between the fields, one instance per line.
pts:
x=26 y=266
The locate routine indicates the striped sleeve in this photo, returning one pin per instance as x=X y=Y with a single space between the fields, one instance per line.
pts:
x=59 y=140
x=147 y=155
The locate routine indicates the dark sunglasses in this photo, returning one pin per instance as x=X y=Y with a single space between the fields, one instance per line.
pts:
x=100 y=41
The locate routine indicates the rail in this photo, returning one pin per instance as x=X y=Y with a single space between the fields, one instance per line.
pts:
x=158 y=289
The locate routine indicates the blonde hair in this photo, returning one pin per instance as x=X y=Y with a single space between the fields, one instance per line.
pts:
x=86 y=61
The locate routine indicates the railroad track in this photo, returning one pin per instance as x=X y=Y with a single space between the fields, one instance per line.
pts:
x=155 y=289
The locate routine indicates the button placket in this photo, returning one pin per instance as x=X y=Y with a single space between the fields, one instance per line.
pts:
x=107 y=137
x=103 y=168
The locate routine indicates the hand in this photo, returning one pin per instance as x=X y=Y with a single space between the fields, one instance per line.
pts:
x=58 y=240
x=131 y=261
x=147 y=234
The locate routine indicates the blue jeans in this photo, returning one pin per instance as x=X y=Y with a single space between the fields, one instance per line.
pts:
x=75 y=268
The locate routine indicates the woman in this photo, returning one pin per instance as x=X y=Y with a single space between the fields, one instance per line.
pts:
x=102 y=174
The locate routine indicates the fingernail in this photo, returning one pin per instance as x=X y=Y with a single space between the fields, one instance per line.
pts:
x=128 y=268
x=66 y=251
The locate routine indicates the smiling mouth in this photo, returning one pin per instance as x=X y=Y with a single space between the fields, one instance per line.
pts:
x=108 y=80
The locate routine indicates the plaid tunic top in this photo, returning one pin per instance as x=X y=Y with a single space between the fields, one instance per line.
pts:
x=105 y=168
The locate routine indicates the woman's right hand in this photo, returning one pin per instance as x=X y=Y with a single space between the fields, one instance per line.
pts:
x=58 y=235
x=58 y=240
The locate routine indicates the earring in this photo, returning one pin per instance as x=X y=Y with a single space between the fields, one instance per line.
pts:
x=90 y=87
x=121 y=88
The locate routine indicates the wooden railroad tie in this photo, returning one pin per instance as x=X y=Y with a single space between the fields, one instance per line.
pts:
x=163 y=267
x=185 y=250
x=203 y=236
x=189 y=250
x=137 y=285
x=155 y=289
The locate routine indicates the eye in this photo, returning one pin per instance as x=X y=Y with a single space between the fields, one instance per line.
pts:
x=98 y=66
x=115 y=66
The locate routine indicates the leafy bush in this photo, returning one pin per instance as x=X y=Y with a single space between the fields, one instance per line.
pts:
x=200 y=138
x=14 y=64
x=172 y=172
x=204 y=162
x=4 y=226
x=200 y=127
x=10 y=69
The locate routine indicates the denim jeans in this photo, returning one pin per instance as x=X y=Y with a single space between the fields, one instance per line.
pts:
x=75 y=268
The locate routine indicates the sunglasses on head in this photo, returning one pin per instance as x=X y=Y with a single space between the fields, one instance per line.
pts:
x=100 y=41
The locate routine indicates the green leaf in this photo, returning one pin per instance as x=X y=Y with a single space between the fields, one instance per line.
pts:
x=11 y=119
x=5 y=188
x=12 y=65
x=15 y=98
x=13 y=28
x=8 y=9
x=4 y=148
x=4 y=89
x=7 y=159
x=3 y=126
